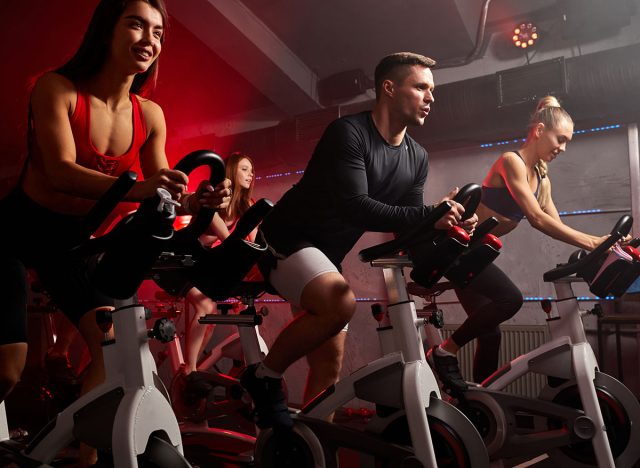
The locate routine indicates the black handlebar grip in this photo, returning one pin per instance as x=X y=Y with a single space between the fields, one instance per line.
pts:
x=253 y=216
x=469 y=196
x=622 y=227
x=483 y=229
x=187 y=165
x=107 y=203
x=407 y=238
x=586 y=266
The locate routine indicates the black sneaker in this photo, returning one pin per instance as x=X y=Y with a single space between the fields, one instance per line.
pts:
x=269 y=400
x=448 y=371
x=196 y=387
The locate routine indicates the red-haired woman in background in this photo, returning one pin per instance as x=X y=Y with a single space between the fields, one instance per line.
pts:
x=239 y=168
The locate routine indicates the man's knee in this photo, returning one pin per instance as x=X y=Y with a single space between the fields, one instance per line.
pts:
x=330 y=297
x=345 y=306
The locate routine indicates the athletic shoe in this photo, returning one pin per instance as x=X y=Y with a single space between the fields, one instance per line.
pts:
x=269 y=400
x=196 y=387
x=448 y=371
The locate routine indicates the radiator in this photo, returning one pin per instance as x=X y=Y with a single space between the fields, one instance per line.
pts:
x=516 y=340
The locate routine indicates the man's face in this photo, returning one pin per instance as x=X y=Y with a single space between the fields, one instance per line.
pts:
x=412 y=96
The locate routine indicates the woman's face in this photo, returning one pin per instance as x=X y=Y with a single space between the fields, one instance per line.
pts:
x=553 y=141
x=136 y=41
x=244 y=174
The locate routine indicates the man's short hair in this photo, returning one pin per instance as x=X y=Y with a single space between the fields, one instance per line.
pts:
x=392 y=67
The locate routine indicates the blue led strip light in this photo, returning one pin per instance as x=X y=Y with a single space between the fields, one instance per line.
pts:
x=577 y=132
x=579 y=298
x=282 y=301
x=281 y=174
x=483 y=145
x=379 y=299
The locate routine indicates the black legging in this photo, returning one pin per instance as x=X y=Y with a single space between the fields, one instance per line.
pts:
x=489 y=300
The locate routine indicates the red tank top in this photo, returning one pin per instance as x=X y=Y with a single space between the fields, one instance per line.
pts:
x=88 y=156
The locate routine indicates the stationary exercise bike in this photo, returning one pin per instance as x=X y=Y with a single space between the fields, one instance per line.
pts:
x=583 y=417
x=219 y=395
x=413 y=427
x=126 y=414
x=221 y=426
x=218 y=273
x=128 y=417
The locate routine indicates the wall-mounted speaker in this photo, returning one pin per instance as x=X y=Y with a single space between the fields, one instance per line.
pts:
x=531 y=82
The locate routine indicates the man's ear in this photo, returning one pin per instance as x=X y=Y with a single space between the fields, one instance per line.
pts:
x=388 y=87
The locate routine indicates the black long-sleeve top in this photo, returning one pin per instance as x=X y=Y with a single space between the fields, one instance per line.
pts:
x=355 y=182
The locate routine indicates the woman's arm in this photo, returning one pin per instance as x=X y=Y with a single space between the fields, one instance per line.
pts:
x=153 y=159
x=514 y=174
x=216 y=230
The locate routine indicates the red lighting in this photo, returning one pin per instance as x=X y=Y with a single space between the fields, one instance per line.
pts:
x=525 y=35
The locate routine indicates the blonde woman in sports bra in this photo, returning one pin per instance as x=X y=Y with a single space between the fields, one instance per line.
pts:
x=516 y=186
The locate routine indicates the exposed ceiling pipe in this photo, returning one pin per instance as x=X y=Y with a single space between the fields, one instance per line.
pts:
x=475 y=53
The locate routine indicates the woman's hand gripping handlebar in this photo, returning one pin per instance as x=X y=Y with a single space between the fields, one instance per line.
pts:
x=204 y=215
x=588 y=264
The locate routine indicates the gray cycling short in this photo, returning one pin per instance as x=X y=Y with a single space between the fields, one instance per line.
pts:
x=293 y=273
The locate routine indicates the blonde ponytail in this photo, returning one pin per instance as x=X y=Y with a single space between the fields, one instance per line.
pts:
x=547 y=101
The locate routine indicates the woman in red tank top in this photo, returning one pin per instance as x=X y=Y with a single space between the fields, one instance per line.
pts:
x=90 y=120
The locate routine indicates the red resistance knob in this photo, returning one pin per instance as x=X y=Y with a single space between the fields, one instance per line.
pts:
x=546 y=305
x=459 y=234
x=492 y=241
x=633 y=252
x=377 y=310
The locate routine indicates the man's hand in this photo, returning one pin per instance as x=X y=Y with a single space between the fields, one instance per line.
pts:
x=454 y=215
x=470 y=224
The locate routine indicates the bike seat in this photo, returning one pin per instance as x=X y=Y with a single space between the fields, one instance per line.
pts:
x=417 y=290
x=250 y=289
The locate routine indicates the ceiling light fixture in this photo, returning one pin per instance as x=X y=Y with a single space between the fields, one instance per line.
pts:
x=525 y=35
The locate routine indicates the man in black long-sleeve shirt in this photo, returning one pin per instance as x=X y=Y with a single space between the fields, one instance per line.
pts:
x=366 y=174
